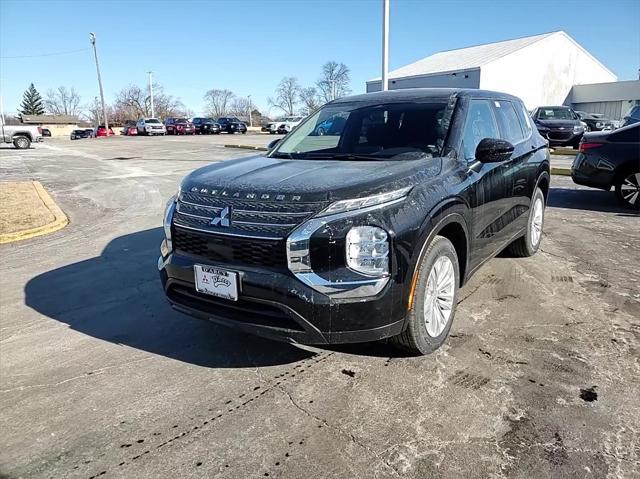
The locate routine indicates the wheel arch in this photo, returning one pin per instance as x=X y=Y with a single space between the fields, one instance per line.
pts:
x=450 y=222
x=543 y=182
x=25 y=133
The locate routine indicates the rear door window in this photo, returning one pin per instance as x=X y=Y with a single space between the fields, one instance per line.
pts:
x=508 y=121
x=480 y=124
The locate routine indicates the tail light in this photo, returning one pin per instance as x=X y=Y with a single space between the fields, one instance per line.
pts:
x=40 y=130
x=588 y=146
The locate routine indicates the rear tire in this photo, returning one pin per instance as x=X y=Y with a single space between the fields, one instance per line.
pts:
x=434 y=306
x=628 y=190
x=21 y=142
x=528 y=244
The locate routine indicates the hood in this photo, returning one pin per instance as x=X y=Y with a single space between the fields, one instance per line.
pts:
x=558 y=123
x=310 y=180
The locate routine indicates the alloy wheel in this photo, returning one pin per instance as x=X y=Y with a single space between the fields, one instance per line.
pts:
x=630 y=190
x=536 y=222
x=438 y=301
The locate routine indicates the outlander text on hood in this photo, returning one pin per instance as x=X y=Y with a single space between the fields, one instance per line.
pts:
x=365 y=231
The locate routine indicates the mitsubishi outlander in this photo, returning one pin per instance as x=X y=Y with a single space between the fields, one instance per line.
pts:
x=365 y=233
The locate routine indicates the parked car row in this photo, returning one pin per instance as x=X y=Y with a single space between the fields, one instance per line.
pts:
x=96 y=132
x=283 y=125
x=563 y=126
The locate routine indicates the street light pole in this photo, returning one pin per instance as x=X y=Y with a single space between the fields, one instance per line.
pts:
x=153 y=113
x=385 y=45
x=250 y=119
x=92 y=39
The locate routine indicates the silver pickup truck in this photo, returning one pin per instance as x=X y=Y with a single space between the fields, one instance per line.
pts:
x=20 y=135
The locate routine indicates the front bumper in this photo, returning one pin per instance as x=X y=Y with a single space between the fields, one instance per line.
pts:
x=274 y=304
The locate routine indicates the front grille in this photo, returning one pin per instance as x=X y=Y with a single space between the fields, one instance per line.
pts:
x=231 y=250
x=256 y=218
x=560 y=135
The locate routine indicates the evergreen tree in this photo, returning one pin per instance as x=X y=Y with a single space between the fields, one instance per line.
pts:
x=31 y=102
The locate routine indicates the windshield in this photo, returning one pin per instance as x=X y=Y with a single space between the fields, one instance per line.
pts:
x=400 y=131
x=555 y=114
x=151 y=120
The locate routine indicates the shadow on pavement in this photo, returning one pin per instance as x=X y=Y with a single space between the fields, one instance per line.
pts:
x=586 y=199
x=118 y=297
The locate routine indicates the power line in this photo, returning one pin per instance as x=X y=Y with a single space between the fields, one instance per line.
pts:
x=47 y=54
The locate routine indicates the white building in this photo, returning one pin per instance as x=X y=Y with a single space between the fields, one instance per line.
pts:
x=540 y=69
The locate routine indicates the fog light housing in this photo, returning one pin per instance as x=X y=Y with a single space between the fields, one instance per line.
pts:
x=367 y=250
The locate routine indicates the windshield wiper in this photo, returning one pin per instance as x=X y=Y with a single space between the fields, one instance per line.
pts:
x=288 y=156
x=340 y=156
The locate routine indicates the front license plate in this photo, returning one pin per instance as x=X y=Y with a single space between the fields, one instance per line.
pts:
x=216 y=282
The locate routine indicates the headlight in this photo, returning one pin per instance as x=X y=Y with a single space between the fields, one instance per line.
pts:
x=599 y=124
x=358 y=203
x=368 y=250
x=170 y=209
x=578 y=129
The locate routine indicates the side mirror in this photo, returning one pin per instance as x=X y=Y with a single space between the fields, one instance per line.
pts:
x=273 y=144
x=493 y=150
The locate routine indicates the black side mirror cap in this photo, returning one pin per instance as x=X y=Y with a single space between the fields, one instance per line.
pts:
x=493 y=150
x=273 y=144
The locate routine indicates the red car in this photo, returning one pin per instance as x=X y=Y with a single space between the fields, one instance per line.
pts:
x=101 y=131
x=179 y=126
x=130 y=130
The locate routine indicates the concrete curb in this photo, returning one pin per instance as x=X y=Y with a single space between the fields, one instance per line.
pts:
x=561 y=171
x=247 y=147
x=563 y=151
x=58 y=223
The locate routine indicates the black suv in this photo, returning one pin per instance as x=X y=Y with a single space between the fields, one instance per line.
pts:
x=206 y=126
x=364 y=234
x=232 y=125
x=559 y=125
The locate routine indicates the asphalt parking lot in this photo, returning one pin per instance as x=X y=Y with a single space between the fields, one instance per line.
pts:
x=101 y=378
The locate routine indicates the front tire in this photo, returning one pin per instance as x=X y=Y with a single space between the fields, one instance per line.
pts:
x=628 y=190
x=435 y=299
x=22 y=142
x=528 y=244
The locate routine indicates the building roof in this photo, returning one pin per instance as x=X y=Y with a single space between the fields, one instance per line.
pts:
x=49 y=119
x=612 y=91
x=467 y=58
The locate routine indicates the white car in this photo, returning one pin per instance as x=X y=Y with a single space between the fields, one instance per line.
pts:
x=150 y=126
x=284 y=125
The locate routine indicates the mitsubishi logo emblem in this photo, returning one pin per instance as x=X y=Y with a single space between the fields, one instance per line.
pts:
x=224 y=219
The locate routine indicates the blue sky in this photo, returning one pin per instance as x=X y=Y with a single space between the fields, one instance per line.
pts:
x=248 y=46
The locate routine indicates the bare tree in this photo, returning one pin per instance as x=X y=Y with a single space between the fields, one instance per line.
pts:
x=287 y=95
x=310 y=99
x=62 y=101
x=133 y=102
x=334 y=81
x=218 y=102
x=240 y=107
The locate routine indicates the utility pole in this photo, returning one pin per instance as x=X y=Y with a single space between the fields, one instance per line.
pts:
x=153 y=113
x=385 y=45
x=92 y=39
x=250 y=119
